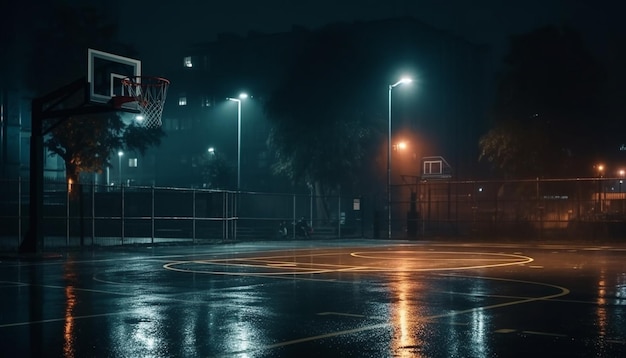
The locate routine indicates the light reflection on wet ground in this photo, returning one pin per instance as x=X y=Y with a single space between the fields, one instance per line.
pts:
x=277 y=299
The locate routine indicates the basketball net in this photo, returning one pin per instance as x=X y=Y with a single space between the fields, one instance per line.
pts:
x=150 y=93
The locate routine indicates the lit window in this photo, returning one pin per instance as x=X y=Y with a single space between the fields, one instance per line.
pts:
x=132 y=162
x=182 y=101
x=188 y=62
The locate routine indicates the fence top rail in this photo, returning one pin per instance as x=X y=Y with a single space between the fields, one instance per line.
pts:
x=62 y=187
x=536 y=180
x=448 y=181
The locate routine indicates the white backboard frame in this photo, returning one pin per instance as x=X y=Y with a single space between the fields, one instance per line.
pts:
x=94 y=55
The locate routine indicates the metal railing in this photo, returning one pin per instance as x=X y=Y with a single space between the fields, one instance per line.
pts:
x=580 y=208
x=84 y=215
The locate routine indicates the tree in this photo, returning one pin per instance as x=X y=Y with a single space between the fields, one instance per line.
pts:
x=548 y=112
x=215 y=171
x=320 y=130
x=86 y=142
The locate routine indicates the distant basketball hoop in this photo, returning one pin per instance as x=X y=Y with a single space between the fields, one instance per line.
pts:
x=149 y=93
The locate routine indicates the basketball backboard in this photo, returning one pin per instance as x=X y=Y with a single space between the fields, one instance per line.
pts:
x=105 y=72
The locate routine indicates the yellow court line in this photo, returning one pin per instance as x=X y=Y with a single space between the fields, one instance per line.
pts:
x=536 y=333
x=367 y=254
x=298 y=270
x=340 y=314
x=282 y=264
x=267 y=262
x=314 y=268
x=563 y=291
x=303 y=271
x=272 y=264
x=62 y=319
x=119 y=293
x=300 y=267
x=302 y=253
x=334 y=252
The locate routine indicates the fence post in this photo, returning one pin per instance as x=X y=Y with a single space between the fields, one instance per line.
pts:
x=67 y=214
x=449 y=218
x=152 y=213
x=578 y=198
x=19 y=210
x=235 y=215
x=361 y=206
x=428 y=206
x=122 y=211
x=224 y=236
x=193 y=222
x=456 y=208
x=293 y=221
x=540 y=208
x=93 y=212
x=495 y=214
x=81 y=214
x=311 y=205
x=339 y=213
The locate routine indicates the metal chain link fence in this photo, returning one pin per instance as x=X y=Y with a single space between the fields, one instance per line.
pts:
x=92 y=215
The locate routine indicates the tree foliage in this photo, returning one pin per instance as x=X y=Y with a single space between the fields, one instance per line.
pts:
x=548 y=106
x=215 y=171
x=320 y=130
x=86 y=143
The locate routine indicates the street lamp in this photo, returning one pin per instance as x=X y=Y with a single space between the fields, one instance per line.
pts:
x=119 y=163
x=391 y=87
x=401 y=146
x=238 y=100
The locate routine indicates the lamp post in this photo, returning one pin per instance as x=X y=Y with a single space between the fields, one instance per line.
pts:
x=621 y=199
x=391 y=87
x=119 y=163
x=238 y=100
x=600 y=169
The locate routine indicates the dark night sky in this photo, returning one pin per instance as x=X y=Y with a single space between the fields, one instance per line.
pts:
x=176 y=24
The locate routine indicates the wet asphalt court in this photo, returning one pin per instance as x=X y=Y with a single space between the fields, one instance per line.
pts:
x=357 y=298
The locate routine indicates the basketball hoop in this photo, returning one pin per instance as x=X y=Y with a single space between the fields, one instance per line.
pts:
x=149 y=93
